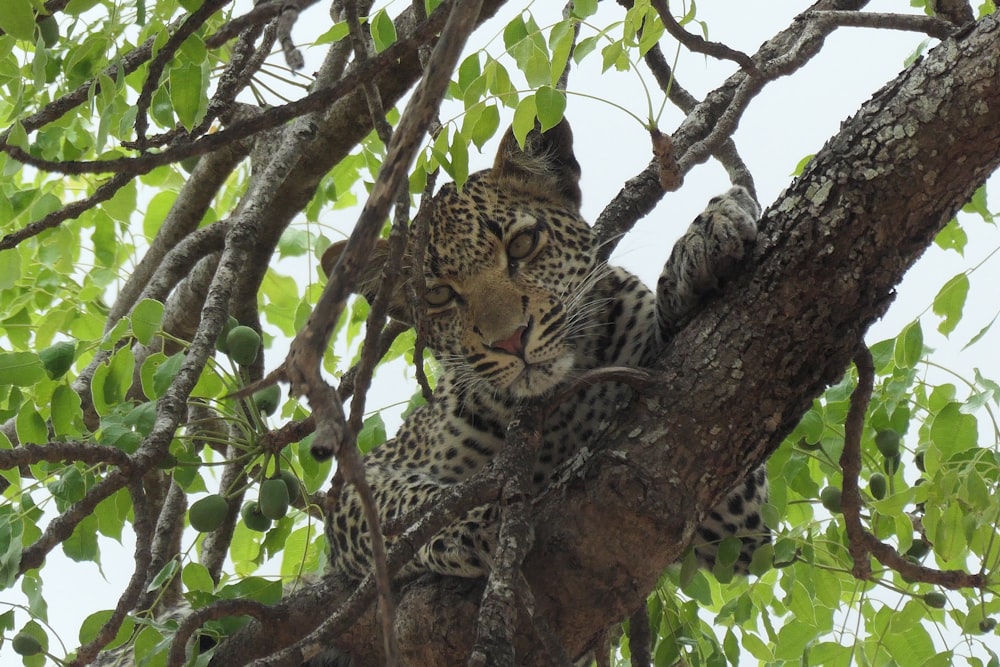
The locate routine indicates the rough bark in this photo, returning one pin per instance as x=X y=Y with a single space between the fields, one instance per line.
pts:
x=735 y=381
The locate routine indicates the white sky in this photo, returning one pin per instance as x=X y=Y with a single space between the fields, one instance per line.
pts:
x=790 y=119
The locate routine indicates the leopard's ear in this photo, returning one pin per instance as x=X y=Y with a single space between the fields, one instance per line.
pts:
x=546 y=164
x=371 y=276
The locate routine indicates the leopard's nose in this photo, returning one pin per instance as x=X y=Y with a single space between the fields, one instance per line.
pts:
x=512 y=344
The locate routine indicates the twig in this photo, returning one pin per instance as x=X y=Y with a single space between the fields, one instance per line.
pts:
x=286 y=20
x=416 y=286
x=862 y=543
x=699 y=44
x=639 y=639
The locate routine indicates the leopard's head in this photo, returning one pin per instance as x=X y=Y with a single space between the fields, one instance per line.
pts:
x=507 y=266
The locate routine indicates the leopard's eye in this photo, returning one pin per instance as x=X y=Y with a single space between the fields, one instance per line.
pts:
x=523 y=244
x=439 y=296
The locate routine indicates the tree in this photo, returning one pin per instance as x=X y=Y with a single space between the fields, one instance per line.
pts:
x=116 y=412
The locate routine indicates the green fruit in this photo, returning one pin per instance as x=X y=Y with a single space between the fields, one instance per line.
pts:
x=830 y=497
x=918 y=549
x=244 y=344
x=987 y=625
x=891 y=464
x=208 y=513
x=58 y=358
x=220 y=342
x=25 y=644
x=253 y=518
x=887 y=442
x=267 y=399
x=273 y=498
x=49 y=29
x=935 y=600
x=293 y=484
x=878 y=485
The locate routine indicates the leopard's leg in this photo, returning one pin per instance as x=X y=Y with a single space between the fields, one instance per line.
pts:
x=738 y=515
x=709 y=253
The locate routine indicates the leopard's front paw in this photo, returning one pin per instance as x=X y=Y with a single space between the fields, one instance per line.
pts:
x=710 y=253
x=725 y=231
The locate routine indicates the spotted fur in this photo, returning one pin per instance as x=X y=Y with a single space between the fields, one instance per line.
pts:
x=517 y=305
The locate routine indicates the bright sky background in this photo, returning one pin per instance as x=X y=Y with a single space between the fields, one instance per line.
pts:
x=789 y=120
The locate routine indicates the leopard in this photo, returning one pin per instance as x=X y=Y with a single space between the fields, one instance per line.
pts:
x=517 y=302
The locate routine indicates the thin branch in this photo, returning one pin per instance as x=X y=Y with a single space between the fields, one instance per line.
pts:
x=163 y=56
x=63 y=452
x=862 y=543
x=127 y=601
x=261 y=13
x=639 y=639
x=103 y=193
x=60 y=528
x=699 y=44
x=929 y=25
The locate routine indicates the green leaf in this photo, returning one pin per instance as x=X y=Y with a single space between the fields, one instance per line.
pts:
x=187 y=91
x=757 y=648
x=372 y=433
x=584 y=8
x=950 y=301
x=21 y=369
x=196 y=577
x=165 y=373
x=982 y=332
x=383 y=30
x=146 y=318
x=82 y=544
x=486 y=126
x=550 y=105
x=11 y=530
x=10 y=270
x=338 y=32
x=17 y=19
x=953 y=431
x=524 y=119
x=30 y=426
x=165 y=574
x=112 y=380
x=67 y=413
x=952 y=237
x=909 y=345
x=585 y=47
x=93 y=624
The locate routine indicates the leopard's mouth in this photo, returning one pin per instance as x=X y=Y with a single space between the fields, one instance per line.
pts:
x=536 y=379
